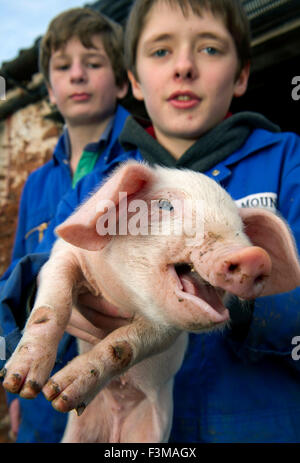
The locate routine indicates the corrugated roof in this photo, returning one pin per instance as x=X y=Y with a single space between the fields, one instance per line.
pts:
x=265 y=15
x=255 y=8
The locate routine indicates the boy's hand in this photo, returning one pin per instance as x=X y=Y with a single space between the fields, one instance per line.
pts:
x=95 y=320
x=15 y=417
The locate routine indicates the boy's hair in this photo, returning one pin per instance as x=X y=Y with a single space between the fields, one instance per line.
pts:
x=84 y=24
x=230 y=11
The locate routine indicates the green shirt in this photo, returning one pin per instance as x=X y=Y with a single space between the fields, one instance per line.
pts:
x=90 y=154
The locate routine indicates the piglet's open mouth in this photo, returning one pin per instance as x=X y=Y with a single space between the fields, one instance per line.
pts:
x=190 y=286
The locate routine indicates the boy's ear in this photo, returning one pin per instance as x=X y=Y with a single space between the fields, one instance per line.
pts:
x=122 y=90
x=51 y=95
x=135 y=86
x=242 y=81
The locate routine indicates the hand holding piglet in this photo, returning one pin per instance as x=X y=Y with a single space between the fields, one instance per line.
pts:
x=95 y=320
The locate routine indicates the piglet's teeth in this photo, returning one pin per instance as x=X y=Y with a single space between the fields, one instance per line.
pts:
x=191 y=267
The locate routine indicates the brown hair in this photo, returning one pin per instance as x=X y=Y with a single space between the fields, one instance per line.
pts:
x=84 y=23
x=230 y=11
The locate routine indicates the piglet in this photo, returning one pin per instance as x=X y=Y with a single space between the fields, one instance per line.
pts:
x=166 y=247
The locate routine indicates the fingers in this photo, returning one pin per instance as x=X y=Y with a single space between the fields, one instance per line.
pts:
x=100 y=304
x=83 y=335
x=80 y=326
x=106 y=322
x=95 y=322
x=81 y=323
x=15 y=416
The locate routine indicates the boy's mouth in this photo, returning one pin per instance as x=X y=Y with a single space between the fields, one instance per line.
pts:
x=82 y=96
x=184 y=100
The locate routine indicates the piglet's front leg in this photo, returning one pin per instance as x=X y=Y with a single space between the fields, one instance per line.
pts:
x=75 y=386
x=30 y=365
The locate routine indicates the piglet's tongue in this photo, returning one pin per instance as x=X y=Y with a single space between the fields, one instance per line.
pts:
x=188 y=285
x=194 y=290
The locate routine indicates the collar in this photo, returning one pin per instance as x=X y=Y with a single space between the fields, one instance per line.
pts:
x=103 y=140
x=93 y=147
x=109 y=137
x=113 y=146
x=62 y=151
x=213 y=148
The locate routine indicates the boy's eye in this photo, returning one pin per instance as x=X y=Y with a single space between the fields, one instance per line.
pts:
x=94 y=65
x=62 y=67
x=211 y=51
x=160 y=53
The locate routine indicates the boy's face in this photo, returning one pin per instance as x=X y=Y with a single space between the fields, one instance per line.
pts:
x=82 y=83
x=186 y=68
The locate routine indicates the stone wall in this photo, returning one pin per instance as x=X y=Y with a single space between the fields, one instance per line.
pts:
x=27 y=140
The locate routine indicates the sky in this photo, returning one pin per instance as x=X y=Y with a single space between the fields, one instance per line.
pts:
x=23 y=21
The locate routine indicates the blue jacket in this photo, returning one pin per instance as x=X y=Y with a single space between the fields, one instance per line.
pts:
x=242 y=386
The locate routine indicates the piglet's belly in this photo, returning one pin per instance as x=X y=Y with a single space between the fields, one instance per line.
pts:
x=119 y=413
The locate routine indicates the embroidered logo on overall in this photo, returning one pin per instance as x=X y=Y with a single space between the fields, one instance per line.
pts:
x=263 y=200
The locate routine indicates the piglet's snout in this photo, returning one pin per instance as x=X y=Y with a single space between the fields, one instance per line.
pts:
x=244 y=272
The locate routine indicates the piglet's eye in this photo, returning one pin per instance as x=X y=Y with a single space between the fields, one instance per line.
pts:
x=165 y=204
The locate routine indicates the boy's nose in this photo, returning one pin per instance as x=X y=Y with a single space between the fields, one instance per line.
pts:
x=185 y=67
x=78 y=73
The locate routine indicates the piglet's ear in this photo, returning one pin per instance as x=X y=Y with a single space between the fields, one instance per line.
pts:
x=270 y=232
x=80 y=228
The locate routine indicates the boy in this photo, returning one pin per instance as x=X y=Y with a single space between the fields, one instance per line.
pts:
x=186 y=60
x=82 y=62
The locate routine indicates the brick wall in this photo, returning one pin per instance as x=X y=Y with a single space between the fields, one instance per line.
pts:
x=26 y=142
